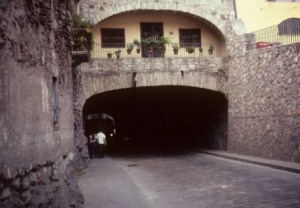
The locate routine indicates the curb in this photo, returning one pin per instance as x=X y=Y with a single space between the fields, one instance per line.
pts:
x=276 y=164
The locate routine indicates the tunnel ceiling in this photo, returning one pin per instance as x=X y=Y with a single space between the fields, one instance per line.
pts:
x=167 y=101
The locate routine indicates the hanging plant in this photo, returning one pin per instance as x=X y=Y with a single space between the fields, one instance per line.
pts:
x=130 y=47
x=82 y=34
x=190 y=49
x=211 y=49
x=175 y=48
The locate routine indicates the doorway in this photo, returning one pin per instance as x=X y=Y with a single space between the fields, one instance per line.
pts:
x=151 y=32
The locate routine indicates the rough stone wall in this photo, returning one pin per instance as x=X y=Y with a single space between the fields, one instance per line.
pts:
x=105 y=75
x=216 y=12
x=36 y=112
x=264 y=102
x=82 y=155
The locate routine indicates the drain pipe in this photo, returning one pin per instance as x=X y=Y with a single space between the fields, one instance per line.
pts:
x=134 y=79
x=234 y=5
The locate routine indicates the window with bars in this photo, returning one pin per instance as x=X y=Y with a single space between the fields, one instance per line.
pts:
x=113 y=38
x=289 y=26
x=189 y=37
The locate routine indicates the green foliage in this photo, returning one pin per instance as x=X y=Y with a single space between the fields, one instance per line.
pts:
x=150 y=41
x=164 y=40
x=82 y=35
x=175 y=46
x=117 y=52
x=130 y=46
x=190 y=49
x=79 y=22
x=136 y=43
x=211 y=48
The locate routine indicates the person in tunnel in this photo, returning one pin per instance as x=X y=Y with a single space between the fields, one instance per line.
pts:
x=101 y=138
x=93 y=146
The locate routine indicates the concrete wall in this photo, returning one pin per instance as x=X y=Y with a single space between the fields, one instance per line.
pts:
x=36 y=98
x=264 y=114
x=259 y=14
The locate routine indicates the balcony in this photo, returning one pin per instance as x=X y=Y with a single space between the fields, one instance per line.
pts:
x=169 y=50
x=82 y=45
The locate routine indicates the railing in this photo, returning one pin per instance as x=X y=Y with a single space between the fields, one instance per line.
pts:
x=158 y=51
x=284 y=33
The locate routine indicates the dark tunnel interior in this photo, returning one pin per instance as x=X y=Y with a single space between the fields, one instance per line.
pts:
x=158 y=118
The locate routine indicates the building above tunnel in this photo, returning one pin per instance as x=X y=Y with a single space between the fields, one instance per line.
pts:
x=216 y=12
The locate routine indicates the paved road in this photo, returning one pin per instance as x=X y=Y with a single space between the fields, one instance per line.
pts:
x=187 y=180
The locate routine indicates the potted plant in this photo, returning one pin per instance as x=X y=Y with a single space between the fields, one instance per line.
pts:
x=162 y=43
x=211 y=49
x=190 y=49
x=109 y=54
x=175 y=48
x=82 y=34
x=117 y=53
x=200 y=49
x=130 y=47
x=138 y=45
x=150 y=43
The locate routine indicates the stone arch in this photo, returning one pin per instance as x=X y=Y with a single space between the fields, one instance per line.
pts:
x=94 y=84
x=159 y=109
x=95 y=12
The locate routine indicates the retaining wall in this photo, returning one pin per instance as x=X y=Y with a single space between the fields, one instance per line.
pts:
x=36 y=98
x=264 y=103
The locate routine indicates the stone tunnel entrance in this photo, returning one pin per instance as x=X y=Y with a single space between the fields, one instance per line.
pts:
x=159 y=118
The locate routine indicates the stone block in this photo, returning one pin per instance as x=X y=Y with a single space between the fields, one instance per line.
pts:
x=5 y=194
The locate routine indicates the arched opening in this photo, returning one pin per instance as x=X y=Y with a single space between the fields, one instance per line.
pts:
x=161 y=118
x=151 y=30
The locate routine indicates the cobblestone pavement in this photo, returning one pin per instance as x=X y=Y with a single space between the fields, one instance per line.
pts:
x=191 y=180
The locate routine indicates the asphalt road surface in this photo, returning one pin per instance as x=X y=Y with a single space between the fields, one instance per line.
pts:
x=186 y=180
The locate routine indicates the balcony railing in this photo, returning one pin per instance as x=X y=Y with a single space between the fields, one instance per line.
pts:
x=158 y=51
x=287 y=32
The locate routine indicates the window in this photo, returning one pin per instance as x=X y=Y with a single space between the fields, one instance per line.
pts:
x=289 y=26
x=113 y=38
x=189 y=37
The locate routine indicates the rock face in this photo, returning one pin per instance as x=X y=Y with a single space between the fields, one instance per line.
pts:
x=36 y=105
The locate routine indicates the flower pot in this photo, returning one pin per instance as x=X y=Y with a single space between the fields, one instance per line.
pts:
x=109 y=55
x=129 y=51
